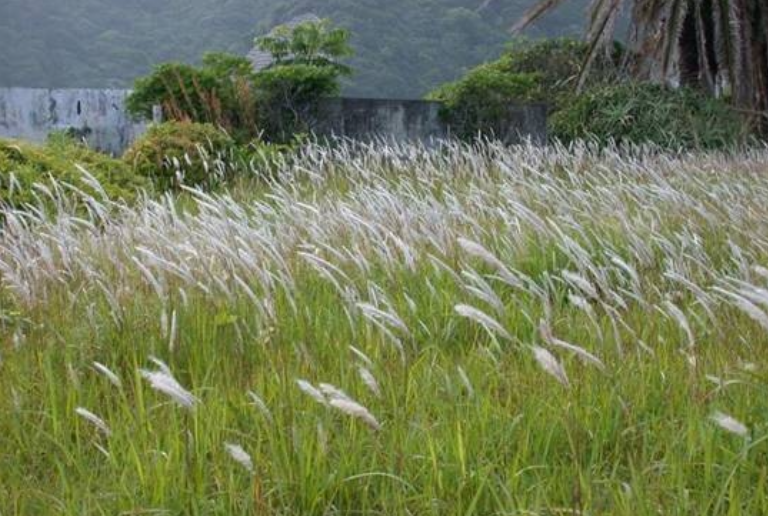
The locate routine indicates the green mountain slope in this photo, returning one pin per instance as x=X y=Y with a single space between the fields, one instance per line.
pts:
x=404 y=47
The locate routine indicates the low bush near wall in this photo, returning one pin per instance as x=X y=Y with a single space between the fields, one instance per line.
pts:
x=479 y=102
x=182 y=153
x=61 y=161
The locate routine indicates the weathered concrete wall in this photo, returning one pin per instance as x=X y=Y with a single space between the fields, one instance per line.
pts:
x=415 y=120
x=100 y=117
x=97 y=115
x=365 y=119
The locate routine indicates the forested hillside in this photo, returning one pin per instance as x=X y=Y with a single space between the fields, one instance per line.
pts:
x=404 y=47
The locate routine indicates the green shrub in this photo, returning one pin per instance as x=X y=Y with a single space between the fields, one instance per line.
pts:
x=530 y=71
x=220 y=92
x=479 y=102
x=647 y=113
x=558 y=64
x=23 y=165
x=225 y=91
x=176 y=153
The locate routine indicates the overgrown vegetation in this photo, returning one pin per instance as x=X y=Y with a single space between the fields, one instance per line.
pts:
x=220 y=92
x=529 y=71
x=183 y=153
x=720 y=48
x=395 y=330
x=307 y=67
x=275 y=103
x=479 y=103
x=29 y=173
x=648 y=113
x=610 y=106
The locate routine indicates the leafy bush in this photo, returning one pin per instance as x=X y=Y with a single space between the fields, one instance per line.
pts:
x=220 y=92
x=609 y=110
x=23 y=165
x=479 y=102
x=176 y=153
x=647 y=113
x=530 y=71
x=225 y=91
x=558 y=64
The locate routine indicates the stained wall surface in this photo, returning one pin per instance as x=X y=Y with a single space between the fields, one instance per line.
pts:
x=99 y=116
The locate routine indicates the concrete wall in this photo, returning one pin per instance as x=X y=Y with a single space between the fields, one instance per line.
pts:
x=365 y=119
x=97 y=115
x=416 y=120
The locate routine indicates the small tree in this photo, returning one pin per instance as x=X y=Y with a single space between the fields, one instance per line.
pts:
x=315 y=43
x=306 y=67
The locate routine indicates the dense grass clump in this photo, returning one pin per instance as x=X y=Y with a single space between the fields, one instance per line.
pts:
x=182 y=153
x=649 y=113
x=398 y=330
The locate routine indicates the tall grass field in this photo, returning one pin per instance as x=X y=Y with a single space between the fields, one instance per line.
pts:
x=395 y=330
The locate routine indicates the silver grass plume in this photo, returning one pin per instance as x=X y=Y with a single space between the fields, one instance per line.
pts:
x=311 y=391
x=261 y=405
x=549 y=363
x=108 y=374
x=163 y=381
x=729 y=424
x=369 y=380
x=94 y=420
x=354 y=409
x=240 y=456
x=490 y=324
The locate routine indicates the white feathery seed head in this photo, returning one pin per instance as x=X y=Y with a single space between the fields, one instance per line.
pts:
x=549 y=363
x=729 y=424
x=311 y=391
x=332 y=392
x=354 y=409
x=240 y=456
x=94 y=420
x=261 y=405
x=490 y=324
x=108 y=374
x=163 y=381
x=369 y=380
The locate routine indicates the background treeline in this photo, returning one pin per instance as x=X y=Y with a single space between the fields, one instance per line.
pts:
x=404 y=48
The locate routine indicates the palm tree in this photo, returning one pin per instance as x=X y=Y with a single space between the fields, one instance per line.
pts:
x=719 y=46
